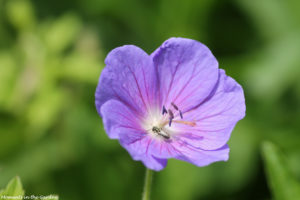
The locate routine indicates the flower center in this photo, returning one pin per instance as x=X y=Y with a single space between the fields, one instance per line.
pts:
x=159 y=124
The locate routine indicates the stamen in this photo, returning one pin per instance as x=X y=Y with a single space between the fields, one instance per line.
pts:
x=180 y=113
x=164 y=110
x=185 y=122
x=176 y=108
x=171 y=114
x=170 y=121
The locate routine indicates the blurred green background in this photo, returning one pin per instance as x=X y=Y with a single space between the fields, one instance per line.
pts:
x=52 y=53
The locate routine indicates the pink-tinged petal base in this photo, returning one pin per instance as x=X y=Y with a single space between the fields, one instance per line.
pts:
x=119 y=120
x=121 y=123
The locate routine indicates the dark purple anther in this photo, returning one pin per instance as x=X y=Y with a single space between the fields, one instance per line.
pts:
x=176 y=108
x=171 y=114
x=180 y=113
x=170 y=121
x=164 y=110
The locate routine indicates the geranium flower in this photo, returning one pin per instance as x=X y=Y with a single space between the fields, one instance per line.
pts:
x=174 y=103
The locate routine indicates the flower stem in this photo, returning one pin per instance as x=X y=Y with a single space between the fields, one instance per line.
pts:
x=147 y=184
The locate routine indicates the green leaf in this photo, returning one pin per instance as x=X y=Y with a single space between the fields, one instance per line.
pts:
x=282 y=183
x=14 y=188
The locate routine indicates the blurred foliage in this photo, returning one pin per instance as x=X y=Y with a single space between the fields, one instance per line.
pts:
x=51 y=56
x=281 y=181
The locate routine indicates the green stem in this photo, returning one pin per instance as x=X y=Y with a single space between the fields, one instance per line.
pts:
x=147 y=184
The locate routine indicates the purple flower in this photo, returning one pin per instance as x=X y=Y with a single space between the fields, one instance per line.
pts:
x=175 y=103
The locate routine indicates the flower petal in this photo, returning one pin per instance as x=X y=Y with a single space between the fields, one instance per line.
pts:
x=200 y=157
x=150 y=151
x=148 y=145
x=154 y=163
x=129 y=77
x=216 y=117
x=119 y=119
x=187 y=72
x=148 y=159
x=140 y=147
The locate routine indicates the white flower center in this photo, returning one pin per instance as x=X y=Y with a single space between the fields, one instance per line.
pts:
x=158 y=124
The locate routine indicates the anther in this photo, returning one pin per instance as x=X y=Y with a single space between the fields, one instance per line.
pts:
x=164 y=110
x=171 y=114
x=170 y=121
x=173 y=104
x=180 y=113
